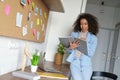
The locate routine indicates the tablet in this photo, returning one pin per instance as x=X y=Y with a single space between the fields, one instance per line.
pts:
x=83 y=44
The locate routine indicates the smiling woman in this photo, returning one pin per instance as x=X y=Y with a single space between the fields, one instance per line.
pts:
x=85 y=28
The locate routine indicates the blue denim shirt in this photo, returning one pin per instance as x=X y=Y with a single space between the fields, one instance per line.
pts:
x=91 y=47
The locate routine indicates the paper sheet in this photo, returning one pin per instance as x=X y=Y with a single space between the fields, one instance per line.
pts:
x=29 y=14
x=18 y=19
x=43 y=27
x=40 y=12
x=31 y=24
x=24 y=30
x=36 y=10
x=38 y=35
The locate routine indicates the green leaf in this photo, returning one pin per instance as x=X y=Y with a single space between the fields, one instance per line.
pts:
x=35 y=60
x=61 y=48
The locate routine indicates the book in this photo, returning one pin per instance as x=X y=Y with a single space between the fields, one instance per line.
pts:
x=66 y=42
x=52 y=75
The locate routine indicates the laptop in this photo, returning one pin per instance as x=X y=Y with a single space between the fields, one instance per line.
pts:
x=47 y=65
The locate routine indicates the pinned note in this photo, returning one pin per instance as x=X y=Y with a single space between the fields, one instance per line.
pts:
x=43 y=29
x=28 y=1
x=38 y=21
x=40 y=12
x=34 y=32
x=23 y=2
x=7 y=9
x=18 y=19
x=38 y=35
x=36 y=10
x=43 y=26
x=45 y=15
x=24 y=30
x=29 y=14
x=31 y=24
x=33 y=5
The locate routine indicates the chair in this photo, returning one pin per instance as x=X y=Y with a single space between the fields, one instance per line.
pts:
x=103 y=74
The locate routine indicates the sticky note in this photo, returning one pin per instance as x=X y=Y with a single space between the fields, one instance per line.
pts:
x=34 y=32
x=38 y=21
x=45 y=15
x=33 y=5
x=28 y=1
x=7 y=9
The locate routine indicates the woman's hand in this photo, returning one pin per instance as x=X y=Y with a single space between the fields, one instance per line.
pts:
x=74 y=44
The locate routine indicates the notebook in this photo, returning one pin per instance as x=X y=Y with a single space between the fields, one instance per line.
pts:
x=46 y=66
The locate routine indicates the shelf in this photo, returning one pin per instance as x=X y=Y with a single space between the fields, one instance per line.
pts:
x=54 y=5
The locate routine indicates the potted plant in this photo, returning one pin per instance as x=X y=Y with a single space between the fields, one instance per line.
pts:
x=59 y=54
x=34 y=61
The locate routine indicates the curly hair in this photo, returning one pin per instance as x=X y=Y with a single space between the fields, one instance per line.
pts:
x=92 y=23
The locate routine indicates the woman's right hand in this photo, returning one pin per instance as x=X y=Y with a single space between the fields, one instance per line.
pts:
x=74 y=44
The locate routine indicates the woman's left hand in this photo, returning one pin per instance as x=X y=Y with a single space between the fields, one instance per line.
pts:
x=74 y=44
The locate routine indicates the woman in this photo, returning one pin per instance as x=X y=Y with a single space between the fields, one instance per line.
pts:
x=85 y=28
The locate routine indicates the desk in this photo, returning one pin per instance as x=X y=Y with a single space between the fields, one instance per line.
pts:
x=44 y=75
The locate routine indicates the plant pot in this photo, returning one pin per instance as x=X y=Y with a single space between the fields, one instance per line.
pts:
x=58 y=58
x=33 y=68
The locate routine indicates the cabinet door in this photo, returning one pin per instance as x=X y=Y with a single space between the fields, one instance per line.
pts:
x=100 y=58
x=117 y=59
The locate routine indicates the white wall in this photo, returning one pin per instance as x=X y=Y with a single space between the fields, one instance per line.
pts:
x=106 y=19
x=116 y=16
x=11 y=52
x=61 y=24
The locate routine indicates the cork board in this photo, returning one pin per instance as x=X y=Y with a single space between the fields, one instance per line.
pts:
x=33 y=22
